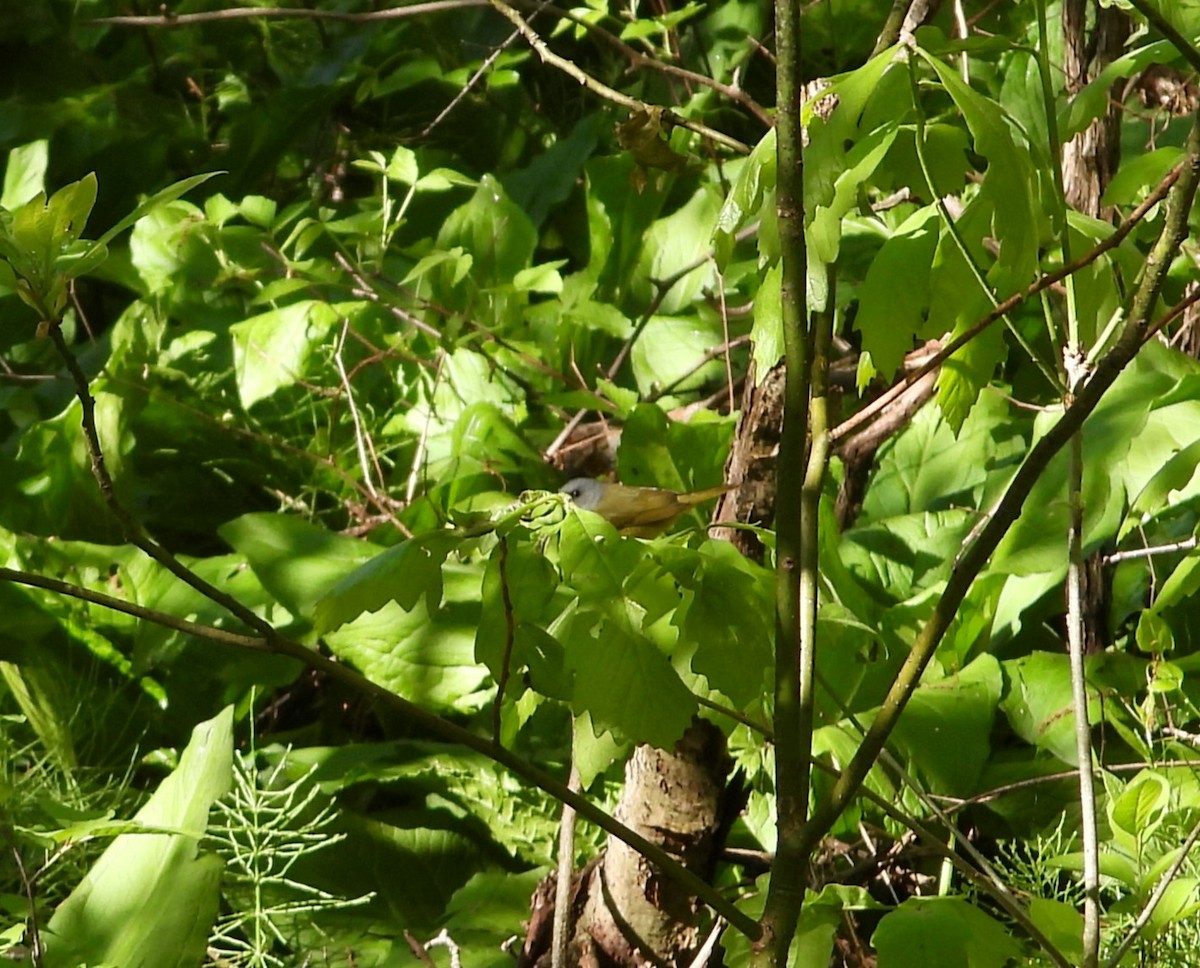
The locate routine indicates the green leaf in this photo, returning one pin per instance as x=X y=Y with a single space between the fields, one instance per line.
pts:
x=497 y=234
x=1009 y=184
x=151 y=899
x=676 y=353
x=543 y=278
x=594 y=560
x=1174 y=475
x=676 y=244
x=38 y=688
x=724 y=618
x=946 y=727
x=1062 y=925
x=755 y=180
x=1139 y=808
x=1093 y=100
x=404 y=574
x=25 y=174
x=296 y=561
x=627 y=685
x=767 y=334
x=895 y=294
x=518 y=585
x=1039 y=703
x=943 y=931
x=1036 y=542
x=424 y=653
x=1154 y=635
x=1137 y=175
x=271 y=351
x=1177 y=905
x=928 y=467
x=168 y=194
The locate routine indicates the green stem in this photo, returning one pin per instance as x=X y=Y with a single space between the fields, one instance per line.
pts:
x=1009 y=508
x=786 y=892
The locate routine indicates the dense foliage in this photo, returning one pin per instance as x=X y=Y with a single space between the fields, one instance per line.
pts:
x=351 y=293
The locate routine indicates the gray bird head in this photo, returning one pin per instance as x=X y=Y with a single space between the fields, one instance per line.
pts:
x=585 y=492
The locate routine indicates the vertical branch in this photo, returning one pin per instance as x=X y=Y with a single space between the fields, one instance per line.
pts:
x=810 y=504
x=1087 y=165
x=1089 y=391
x=1083 y=732
x=786 y=892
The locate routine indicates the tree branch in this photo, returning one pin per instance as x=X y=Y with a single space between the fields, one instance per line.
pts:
x=277 y=644
x=876 y=406
x=1009 y=508
x=601 y=89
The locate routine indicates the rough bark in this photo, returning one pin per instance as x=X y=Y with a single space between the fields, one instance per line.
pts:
x=751 y=462
x=1089 y=162
x=625 y=912
x=1090 y=159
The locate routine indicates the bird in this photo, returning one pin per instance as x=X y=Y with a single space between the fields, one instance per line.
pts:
x=639 y=512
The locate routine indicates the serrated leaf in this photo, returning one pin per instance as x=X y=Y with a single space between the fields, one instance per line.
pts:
x=424 y=653
x=627 y=685
x=404 y=574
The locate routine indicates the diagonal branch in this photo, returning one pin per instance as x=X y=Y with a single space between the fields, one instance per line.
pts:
x=601 y=89
x=873 y=409
x=134 y=533
x=277 y=644
x=974 y=558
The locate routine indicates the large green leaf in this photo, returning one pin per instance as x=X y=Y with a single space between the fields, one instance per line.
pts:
x=423 y=652
x=296 y=561
x=152 y=897
x=943 y=931
x=626 y=684
x=404 y=574
x=272 y=351
x=946 y=727
x=1039 y=703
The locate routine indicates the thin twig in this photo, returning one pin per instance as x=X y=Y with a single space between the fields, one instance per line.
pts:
x=471 y=82
x=130 y=526
x=639 y=60
x=601 y=89
x=359 y=433
x=286 y=13
x=563 y=923
x=210 y=632
x=509 y=640
x=1155 y=897
x=1186 y=545
x=877 y=405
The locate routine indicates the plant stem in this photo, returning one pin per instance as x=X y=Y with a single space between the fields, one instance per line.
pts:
x=786 y=892
x=973 y=559
x=1083 y=732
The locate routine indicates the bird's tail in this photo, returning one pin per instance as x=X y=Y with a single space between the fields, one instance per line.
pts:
x=699 y=497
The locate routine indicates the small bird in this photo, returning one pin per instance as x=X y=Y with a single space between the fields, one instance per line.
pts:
x=639 y=512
